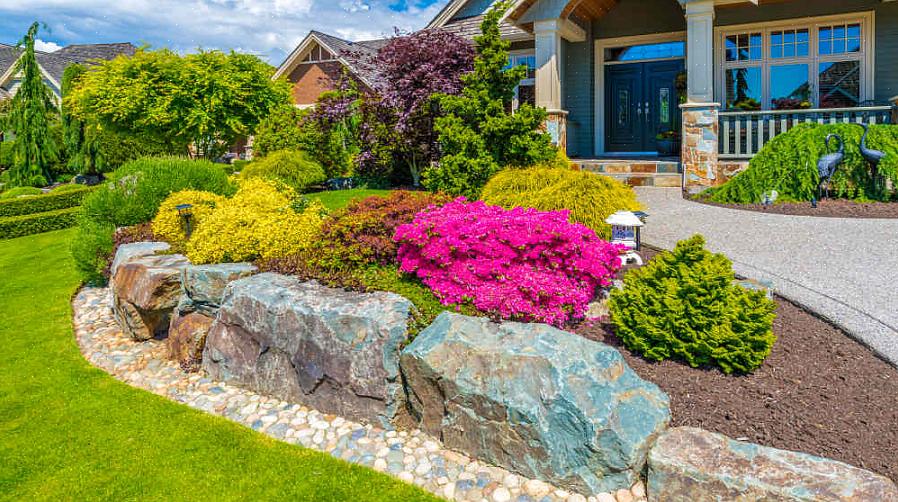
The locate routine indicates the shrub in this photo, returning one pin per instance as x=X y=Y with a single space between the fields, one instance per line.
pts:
x=18 y=226
x=684 y=305
x=519 y=264
x=362 y=234
x=68 y=187
x=41 y=203
x=590 y=197
x=168 y=224
x=15 y=192
x=258 y=222
x=788 y=164
x=133 y=196
x=291 y=167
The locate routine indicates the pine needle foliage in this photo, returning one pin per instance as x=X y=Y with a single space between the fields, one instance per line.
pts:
x=33 y=111
x=788 y=164
x=590 y=197
x=684 y=305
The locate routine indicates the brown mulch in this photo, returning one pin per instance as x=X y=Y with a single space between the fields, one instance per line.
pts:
x=829 y=208
x=818 y=392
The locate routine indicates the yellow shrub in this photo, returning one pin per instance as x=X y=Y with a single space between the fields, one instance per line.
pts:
x=590 y=197
x=258 y=222
x=168 y=225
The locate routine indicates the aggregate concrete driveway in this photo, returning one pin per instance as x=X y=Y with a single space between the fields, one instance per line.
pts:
x=845 y=270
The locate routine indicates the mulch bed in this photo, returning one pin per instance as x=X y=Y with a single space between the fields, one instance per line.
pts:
x=818 y=392
x=829 y=208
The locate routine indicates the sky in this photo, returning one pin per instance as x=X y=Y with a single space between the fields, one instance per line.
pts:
x=267 y=28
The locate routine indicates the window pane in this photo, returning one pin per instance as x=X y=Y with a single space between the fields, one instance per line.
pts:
x=840 y=84
x=789 y=87
x=527 y=94
x=840 y=39
x=623 y=107
x=743 y=89
x=648 y=51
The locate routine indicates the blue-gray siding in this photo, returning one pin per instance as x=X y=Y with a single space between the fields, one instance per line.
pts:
x=579 y=87
x=473 y=8
x=640 y=17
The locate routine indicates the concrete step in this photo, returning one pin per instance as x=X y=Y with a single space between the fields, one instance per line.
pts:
x=667 y=180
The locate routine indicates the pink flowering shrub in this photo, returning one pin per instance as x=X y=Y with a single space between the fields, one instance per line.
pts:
x=520 y=264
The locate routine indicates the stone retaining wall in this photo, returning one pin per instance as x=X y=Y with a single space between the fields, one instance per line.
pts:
x=528 y=397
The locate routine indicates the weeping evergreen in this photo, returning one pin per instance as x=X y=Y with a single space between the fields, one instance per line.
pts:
x=33 y=110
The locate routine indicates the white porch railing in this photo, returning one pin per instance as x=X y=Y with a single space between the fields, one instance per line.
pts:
x=743 y=134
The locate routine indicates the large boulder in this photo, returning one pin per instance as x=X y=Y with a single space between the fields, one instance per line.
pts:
x=539 y=401
x=693 y=464
x=146 y=288
x=331 y=349
x=128 y=252
x=202 y=289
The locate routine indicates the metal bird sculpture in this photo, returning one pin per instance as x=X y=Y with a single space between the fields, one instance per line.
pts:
x=828 y=164
x=873 y=157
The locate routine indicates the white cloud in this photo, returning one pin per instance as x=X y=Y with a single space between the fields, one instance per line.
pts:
x=269 y=28
x=40 y=45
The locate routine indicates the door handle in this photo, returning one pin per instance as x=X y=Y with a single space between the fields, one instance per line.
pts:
x=647 y=109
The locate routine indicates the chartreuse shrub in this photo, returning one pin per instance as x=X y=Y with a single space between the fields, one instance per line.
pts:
x=133 y=196
x=292 y=167
x=788 y=164
x=258 y=222
x=52 y=201
x=683 y=305
x=12 y=193
x=590 y=197
x=519 y=264
x=168 y=224
x=362 y=233
x=18 y=226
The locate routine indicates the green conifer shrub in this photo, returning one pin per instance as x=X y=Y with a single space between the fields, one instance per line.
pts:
x=788 y=164
x=684 y=305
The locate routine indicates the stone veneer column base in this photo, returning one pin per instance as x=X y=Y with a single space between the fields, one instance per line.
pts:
x=894 y=102
x=556 y=126
x=700 y=140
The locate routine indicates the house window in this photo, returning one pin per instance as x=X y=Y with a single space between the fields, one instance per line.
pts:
x=318 y=55
x=820 y=65
x=526 y=90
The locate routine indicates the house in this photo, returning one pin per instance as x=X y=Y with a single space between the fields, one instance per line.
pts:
x=53 y=64
x=317 y=63
x=728 y=75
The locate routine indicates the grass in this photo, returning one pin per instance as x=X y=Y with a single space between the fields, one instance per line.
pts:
x=69 y=431
x=338 y=199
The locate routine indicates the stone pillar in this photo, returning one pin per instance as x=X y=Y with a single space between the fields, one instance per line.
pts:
x=894 y=102
x=556 y=126
x=549 y=71
x=700 y=51
x=699 y=154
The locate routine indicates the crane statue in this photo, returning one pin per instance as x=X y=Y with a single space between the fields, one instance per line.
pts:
x=828 y=164
x=873 y=157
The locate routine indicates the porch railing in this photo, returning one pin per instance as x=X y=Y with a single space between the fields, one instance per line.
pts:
x=743 y=134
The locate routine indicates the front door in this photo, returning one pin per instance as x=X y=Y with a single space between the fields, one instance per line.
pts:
x=640 y=102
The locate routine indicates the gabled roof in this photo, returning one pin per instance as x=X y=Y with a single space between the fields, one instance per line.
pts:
x=91 y=52
x=353 y=55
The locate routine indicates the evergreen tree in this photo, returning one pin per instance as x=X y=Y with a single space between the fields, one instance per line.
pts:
x=478 y=134
x=33 y=109
x=79 y=146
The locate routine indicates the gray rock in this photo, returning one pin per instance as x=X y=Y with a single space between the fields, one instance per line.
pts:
x=534 y=399
x=145 y=291
x=693 y=464
x=204 y=285
x=127 y=252
x=334 y=350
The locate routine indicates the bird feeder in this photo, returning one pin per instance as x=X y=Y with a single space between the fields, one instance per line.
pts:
x=185 y=212
x=625 y=231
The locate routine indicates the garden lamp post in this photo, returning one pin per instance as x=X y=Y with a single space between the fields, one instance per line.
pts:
x=185 y=212
x=625 y=231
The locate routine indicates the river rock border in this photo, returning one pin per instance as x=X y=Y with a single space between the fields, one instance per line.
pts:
x=411 y=456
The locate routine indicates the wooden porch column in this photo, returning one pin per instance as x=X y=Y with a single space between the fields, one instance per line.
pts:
x=548 y=35
x=700 y=141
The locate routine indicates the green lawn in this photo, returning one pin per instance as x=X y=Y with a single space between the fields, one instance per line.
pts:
x=338 y=199
x=69 y=431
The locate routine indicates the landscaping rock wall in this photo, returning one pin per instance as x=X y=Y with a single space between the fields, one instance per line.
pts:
x=334 y=350
x=537 y=400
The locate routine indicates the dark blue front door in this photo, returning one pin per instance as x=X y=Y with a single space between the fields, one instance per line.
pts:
x=640 y=102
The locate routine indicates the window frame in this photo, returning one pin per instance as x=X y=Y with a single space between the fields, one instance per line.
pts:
x=865 y=56
x=310 y=56
x=512 y=55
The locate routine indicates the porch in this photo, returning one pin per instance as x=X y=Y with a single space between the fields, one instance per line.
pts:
x=727 y=76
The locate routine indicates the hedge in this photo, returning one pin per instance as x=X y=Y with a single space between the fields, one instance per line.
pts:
x=42 y=203
x=19 y=226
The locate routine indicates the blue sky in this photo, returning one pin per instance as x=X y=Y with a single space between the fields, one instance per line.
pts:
x=268 y=28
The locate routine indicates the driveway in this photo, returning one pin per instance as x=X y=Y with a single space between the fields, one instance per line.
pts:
x=845 y=270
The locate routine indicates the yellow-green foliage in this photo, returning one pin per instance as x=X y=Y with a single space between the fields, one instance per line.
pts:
x=258 y=222
x=590 y=197
x=292 y=167
x=168 y=225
